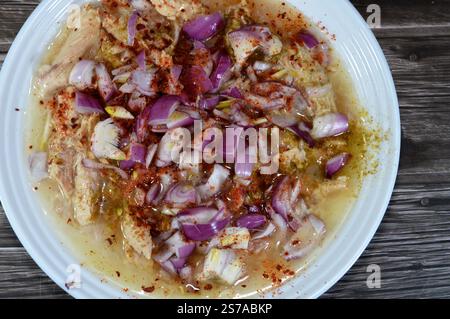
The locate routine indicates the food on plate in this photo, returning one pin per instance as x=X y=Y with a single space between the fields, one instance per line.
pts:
x=136 y=108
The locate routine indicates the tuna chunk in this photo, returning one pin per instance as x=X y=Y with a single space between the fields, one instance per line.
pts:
x=68 y=145
x=83 y=42
x=86 y=186
x=173 y=9
x=137 y=236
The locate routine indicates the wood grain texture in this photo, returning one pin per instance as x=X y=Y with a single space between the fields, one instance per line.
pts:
x=412 y=245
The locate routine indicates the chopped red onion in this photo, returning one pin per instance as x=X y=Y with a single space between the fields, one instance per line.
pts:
x=266 y=232
x=204 y=27
x=201 y=232
x=245 y=41
x=38 y=166
x=86 y=104
x=304 y=133
x=285 y=197
x=209 y=103
x=308 y=236
x=82 y=75
x=196 y=81
x=198 y=215
x=307 y=38
x=127 y=88
x=222 y=72
x=127 y=164
x=331 y=124
x=99 y=166
x=137 y=103
x=233 y=92
x=153 y=193
x=163 y=109
x=105 y=85
x=179 y=119
x=215 y=182
x=132 y=24
x=335 y=164
x=175 y=72
x=144 y=81
x=140 y=59
x=251 y=221
x=151 y=151
x=138 y=153
x=181 y=195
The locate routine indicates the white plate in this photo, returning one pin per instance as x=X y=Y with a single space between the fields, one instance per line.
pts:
x=364 y=60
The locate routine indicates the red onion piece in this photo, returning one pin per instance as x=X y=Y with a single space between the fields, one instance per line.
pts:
x=175 y=72
x=285 y=197
x=127 y=164
x=181 y=195
x=304 y=133
x=163 y=109
x=151 y=151
x=233 y=92
x=201 y=232
x=140 y=59
x=209 y=103
x=153 y=193
x=141 y=127
x=38 y=166
x=196 y=81
x=179 y=119
x=178 y=263
x=131 y=27
x=137 y=103
x=127 y=88
x=282 y=120
x=266 y=232
x=204 y=27
x=244 y=169
x=82 y=75
x=215 y=182
x=252 y=221
x=105 y=85
x=198 y=215
x=307 y=38
x=335 y=164
x=331 y=124
x=86 y=104
x=144 y=81
x=222 y=72
x=246 y=40
x=138 y=153
x=307 y=237
x=99 y=166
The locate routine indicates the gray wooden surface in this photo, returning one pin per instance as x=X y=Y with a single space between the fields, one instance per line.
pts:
x=412 y=246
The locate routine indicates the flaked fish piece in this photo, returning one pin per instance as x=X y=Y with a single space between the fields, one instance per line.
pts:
x=86 y=186
x=137 y=236
x=68 y=145
x=182 y=9
x=82 y=42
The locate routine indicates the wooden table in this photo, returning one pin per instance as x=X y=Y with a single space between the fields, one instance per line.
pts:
x=412 y=246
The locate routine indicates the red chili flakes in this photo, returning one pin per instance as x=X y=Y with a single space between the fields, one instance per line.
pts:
x=148 y=289
x=118 y=273
x=17 y=109
x=208 y=287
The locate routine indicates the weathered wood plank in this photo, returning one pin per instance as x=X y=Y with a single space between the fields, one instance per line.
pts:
x=21 y=278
